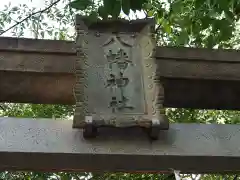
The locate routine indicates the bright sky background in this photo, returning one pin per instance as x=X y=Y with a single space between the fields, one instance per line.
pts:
x=35 y=3
x=39 y=4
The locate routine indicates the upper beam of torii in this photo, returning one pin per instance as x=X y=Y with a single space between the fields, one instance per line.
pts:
x=42 y=71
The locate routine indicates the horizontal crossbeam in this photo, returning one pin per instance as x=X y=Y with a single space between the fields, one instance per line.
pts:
x=42 y=71
x=52 y=145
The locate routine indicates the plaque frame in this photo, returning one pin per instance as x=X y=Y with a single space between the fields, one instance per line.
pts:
x=116 y=81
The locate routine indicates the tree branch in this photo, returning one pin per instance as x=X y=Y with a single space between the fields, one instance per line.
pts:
x=27 y=17
x=71 y=12
x=158 y=28
x=2 y=107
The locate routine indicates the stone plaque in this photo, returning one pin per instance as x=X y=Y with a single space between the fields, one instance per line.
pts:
x=115 y=74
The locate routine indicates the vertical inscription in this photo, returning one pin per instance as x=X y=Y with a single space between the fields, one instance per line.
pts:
x=115 y=78
x=118 y=62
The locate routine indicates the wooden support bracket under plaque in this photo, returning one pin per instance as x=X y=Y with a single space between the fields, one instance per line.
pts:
x=116 y=82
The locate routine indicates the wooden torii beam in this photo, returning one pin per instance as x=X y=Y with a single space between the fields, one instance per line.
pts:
x=42 y=71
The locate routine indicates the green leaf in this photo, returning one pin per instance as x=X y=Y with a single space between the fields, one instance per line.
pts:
x=229 y=15
x=15 y=8
x=205 y=21
x=126 y=6
x=93 y=16
x=210 y=42
x=160 y=13
x=226 y=30
x=177 y=6
x=196 y=28
x=150 y=13
x=199 y=3
x=166 y=27
x=109 y=5
x=236 y=7
x=102 y=12
x=224 y=4
x=116 y=9
x=50 y=32
x=136 y=5
x=80 y=4
x=183 y=38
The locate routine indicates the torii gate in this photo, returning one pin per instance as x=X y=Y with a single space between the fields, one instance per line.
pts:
x=192 y=78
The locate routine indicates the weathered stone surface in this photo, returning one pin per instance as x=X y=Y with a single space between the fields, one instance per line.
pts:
x=119 y=78
x=44 y=73
x=50 y=145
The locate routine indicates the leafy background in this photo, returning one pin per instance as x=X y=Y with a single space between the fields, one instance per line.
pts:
x=189 y=23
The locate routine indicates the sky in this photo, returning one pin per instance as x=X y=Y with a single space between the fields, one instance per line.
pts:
x=39 y=4
x=36 y=3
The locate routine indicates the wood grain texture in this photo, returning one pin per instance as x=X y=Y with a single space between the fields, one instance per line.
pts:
x=194 y=148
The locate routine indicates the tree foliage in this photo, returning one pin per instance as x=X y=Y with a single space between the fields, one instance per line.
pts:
x=200 y=23
x=194 y=23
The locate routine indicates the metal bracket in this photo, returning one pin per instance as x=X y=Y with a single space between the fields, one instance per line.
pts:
x=153 y=126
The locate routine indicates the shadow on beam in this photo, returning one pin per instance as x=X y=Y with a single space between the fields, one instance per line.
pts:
x=201 y=94
x=57 y=88
x=40 y=88
x=52 y=145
